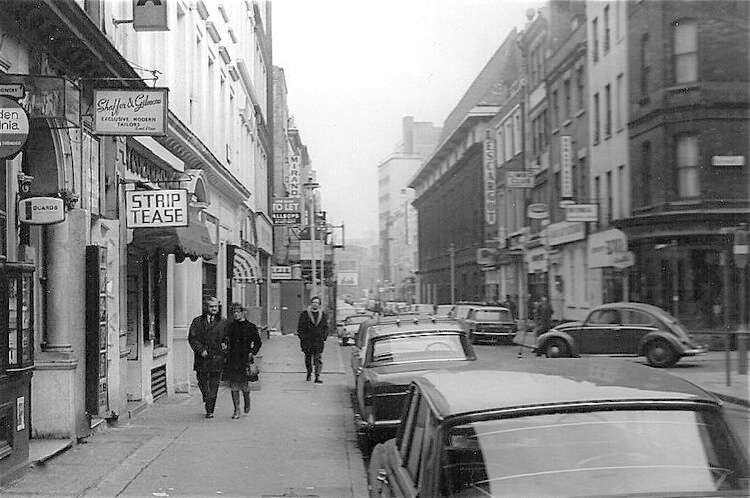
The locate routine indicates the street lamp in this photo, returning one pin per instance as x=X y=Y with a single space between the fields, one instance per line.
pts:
x=310 y=186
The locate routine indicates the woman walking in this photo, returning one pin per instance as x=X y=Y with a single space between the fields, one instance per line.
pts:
x=244 y=343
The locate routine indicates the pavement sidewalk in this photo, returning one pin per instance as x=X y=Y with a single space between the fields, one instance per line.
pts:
x=298 y=440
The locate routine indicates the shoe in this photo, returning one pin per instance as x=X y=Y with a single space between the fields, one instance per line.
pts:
x=309 y=377
x=318 y=381
x=236 y=414
x=209 y=415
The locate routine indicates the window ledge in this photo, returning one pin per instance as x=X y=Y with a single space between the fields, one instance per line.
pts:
x=607 y=136
x=556 y=131
x=160 y=351
x=683 y=87
x=567 y=123
x=580 y=113
x=686 y=202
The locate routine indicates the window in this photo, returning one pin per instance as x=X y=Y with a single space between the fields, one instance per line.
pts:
x=508 y=139
x=580 y=83
x=414 y=458
x=610 y=198
x=688 y=180
x=580 y=190
x=517 y=133
x=646 y=173
x=606 y=29
x=645 y=65
x=597 y=194
x=621 y=188
x=608 y=111
x=500 y=146
x=685 y=51
x=595 y=38
x=566 y=100
x=555 y=104
x=597 y=122
x=619 y=102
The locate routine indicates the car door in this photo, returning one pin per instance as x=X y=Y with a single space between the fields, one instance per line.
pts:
x=635 y=325
x=601 y=333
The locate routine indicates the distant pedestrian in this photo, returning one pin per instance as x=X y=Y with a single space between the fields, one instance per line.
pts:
x=312 y=330
x=207 y=338
x=511 y=305
x=544 y=316
x=244 y=343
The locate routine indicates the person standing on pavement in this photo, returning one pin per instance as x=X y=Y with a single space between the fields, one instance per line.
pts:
x=207 y=338
x=312 y=330
x=244 y=343
x=544 y=316
x=511 y=305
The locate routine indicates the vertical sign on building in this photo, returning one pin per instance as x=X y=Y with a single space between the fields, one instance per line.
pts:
x=294 y=174
x=566 y=167
x=490 y=205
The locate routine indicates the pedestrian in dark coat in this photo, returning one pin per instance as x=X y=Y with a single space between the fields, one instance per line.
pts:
x=544 y=316
x=244 y=343
x=207 y=338
x=312 y=330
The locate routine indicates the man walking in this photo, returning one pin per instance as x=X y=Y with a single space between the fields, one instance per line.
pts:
x=207 y=338
x=312 y=330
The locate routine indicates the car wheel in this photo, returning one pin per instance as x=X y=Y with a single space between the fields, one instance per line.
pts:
x=556 y=348
x=660 y=354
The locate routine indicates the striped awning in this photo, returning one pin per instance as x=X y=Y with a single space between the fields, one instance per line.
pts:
x=244 y=266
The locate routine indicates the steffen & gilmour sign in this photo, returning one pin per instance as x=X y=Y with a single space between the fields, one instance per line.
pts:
x=131 y=112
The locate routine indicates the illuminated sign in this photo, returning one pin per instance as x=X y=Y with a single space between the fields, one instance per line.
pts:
x=41 y=210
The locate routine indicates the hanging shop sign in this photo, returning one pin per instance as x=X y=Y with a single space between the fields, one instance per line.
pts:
x=490 y=205
x=52 y=98
x=131 y=112
x=150 y=15
x=286 y=211
x=538 y=211
x=566 y=167
x=12 y=90
x=581 y=212
x=536 y=260
x=564 y=232
x=519 y=179
x=609 y=249
x=14 y=127
x=156 y=208
x=292 y=179
x=41 y=210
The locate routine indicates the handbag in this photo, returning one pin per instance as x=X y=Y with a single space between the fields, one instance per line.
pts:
x=252 y=371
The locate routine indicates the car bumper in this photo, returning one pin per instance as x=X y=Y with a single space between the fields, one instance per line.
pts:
x=700 y=350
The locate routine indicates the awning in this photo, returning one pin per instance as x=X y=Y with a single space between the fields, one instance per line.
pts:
x=192 y=241
x=244 y=267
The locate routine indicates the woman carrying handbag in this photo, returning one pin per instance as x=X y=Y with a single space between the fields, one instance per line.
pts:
x=244 y=343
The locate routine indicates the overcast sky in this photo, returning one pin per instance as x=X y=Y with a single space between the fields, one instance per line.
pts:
x=355 y=68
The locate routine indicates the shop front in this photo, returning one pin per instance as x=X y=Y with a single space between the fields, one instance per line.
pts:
x=537 y=267
x=609 y=262
x=567 y=271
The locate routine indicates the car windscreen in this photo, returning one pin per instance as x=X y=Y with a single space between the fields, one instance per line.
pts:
x=352 y=320
x=492 y=316
x=417 y=347
x=602 y=453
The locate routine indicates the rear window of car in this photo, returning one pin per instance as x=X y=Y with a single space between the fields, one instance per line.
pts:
x=601 y=453
x=493 y=316
x=357 y=319
x=461 y=311
x=418 y=347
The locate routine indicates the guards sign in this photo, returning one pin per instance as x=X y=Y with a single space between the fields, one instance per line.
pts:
x=156 y=208
x=41 y=210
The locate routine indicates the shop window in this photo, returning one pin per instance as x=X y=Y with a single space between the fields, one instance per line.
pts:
x=16 y=317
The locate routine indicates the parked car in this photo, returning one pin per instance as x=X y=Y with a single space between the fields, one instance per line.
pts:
x=361 y=339
x=347 y=329
x=563 y=428
x=489 y=323
x=626 y=328
x=461 y=310
x=395 y=354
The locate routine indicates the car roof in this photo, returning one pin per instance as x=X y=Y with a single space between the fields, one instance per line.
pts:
x=634 y=305
x=427 y=324
x=537 y=382
x=491 y=308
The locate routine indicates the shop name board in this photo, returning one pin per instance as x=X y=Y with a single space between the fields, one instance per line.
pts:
x=519 y=179
x=14 y=127
x=41 y=210
x=281 y=273
x=156 y=208
x=292 y=180
x=581 y=212
x=490 y=205
x=565 y=232
x=286 y=211
x=131 y=112
x=727 y=160
x=13 y=90
x=566 y=167
x=609 y=249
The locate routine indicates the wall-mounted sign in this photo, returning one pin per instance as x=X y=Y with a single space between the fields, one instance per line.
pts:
x=536 y=260
x=564 y=232
x=581 y=212
x=609 y=249
x=347 y=278
x=41 y=210
x=486 y=256
x=286 y=211
x=519 y=179
x=156 y=208
x=131 y=112
x=490 y=183
x=727 y=160
x=281 y=273
x=150 y=15
x=12 y=90
x=537 y=211
x=14 y=127
x=566 y=167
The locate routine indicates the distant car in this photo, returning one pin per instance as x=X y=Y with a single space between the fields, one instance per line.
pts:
x=461 y=310
x=425 y=309
x=490 y=323
x=395 y=354
x=443 y=310
x=563 y=428
x=625 y=328
x=347 y=329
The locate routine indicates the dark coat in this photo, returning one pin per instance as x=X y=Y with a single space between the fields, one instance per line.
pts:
x=312 y=336
x=244 y=340
x=204 y=336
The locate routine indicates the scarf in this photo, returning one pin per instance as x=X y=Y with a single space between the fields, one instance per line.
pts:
x=315 y=320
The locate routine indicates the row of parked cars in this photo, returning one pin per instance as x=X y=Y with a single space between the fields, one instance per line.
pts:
x=439 y=422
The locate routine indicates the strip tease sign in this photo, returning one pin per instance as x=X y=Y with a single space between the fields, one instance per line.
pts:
x=156 y=208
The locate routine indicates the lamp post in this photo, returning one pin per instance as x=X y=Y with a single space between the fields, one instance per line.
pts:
x=452 y=252
x=310 y=186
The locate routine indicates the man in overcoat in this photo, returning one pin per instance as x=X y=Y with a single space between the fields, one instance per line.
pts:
x=312 y=330
x=207 y=338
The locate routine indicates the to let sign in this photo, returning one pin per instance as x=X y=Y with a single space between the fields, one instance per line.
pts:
x=286 y=211
x=156 y=208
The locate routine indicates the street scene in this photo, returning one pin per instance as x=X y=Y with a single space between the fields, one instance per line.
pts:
x=266 y=248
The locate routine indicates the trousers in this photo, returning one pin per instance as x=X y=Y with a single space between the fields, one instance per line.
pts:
x=313 y=359
x=208 y=383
